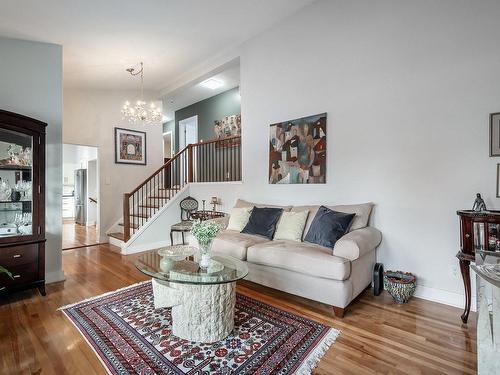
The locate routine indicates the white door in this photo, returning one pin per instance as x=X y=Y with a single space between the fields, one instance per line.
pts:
x=188 y=131
x=188 y=134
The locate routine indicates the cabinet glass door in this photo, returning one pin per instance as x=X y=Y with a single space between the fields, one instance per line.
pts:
x=16 y=183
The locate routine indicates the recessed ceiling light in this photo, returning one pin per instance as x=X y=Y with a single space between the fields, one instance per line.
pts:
x=212 y=83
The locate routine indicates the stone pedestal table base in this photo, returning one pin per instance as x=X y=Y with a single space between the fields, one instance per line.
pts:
x=201 y=313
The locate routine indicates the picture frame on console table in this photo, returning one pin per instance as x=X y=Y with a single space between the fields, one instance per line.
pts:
x=130 y=146
x=495 y=134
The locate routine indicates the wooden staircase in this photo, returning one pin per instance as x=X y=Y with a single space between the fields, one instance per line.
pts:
x=213 y=161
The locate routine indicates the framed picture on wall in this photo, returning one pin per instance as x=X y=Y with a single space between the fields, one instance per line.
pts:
x=495 y=134
x=498 y=180
x=297 y=151
x=130 y=146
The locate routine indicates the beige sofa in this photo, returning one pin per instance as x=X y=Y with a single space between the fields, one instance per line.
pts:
x=334 y=277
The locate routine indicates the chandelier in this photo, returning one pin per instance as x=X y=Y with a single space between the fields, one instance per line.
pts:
x=141 y=112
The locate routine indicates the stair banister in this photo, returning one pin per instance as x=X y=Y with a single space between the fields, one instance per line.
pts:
x=179 y=171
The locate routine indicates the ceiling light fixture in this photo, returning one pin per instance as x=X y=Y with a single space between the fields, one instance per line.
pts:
x=212 y=83
x=141 y=112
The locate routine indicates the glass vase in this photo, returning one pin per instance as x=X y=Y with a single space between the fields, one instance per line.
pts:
x=206 y=254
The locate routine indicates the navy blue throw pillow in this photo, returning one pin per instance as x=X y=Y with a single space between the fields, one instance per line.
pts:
x=262 y=221
x=328 y=226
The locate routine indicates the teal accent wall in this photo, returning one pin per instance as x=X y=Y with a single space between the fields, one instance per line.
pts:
x=208 y=110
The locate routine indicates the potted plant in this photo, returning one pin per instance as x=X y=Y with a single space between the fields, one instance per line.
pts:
x=205 y=232
x=5 y=270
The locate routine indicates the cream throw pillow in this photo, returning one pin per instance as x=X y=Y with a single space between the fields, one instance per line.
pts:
x=291 y=226
x=239 y=218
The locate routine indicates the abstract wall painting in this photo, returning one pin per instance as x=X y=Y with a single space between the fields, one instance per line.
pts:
x=297 y=151
x=228 y=127
x=130 y=146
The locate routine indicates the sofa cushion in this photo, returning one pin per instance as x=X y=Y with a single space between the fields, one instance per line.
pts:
x=302 y=257
x=243 y=203
x=239 y=218
x=262 y=221
x=291 y=226
x=233 y=243
x=361 y=219
x=328 y=226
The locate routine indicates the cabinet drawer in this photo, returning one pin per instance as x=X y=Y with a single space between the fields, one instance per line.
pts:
x=27 y=273
x=19 y=255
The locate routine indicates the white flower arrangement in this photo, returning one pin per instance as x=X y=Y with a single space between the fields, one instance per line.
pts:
x=204 y=231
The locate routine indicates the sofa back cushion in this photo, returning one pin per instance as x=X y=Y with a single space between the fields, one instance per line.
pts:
x=242 y=203
x=328 y=226
x=262 y=221
x=361 y=219
x=239 y=218
x=291 y=226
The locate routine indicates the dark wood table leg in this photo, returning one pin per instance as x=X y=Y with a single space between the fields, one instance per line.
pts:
x=465 y=270
x=41 y=289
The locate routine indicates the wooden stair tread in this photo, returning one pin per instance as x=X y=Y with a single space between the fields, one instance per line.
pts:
x=149 y=206
x=158 y=197
x=144 y=216
x=135 y=226
x=118 y=236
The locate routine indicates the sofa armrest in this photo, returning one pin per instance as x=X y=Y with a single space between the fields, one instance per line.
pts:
x=221 y=221
x=357 y=243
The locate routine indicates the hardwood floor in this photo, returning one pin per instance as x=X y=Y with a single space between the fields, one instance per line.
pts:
x=378 y=336
x=75 y=235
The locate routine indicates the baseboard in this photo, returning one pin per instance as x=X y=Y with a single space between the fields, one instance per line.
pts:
x=145 y=247
x=54 y=277
x=444 y=296
x=115 y=242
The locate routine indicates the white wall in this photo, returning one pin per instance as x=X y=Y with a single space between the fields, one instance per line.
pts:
x=31 y=84
x=408 y=87
x=89 y=119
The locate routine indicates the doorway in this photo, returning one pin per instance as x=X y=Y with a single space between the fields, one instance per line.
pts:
x=188 y=131
x=80 y=200
x=168 y=149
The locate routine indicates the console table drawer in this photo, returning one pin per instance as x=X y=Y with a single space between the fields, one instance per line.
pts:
x=21 y=275
x=19 y=255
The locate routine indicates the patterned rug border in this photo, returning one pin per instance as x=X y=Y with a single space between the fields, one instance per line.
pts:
x=306 y=367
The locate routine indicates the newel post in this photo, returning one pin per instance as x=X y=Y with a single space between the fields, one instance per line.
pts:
x=190 y=163
x=126 y=217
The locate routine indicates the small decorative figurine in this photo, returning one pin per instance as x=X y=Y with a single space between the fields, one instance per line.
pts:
x=479 y=204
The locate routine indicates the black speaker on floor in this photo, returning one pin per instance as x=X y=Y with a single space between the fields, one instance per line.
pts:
x=378 y=278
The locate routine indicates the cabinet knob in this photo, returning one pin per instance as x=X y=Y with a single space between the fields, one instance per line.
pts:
x=17 y=256
x=467 y=235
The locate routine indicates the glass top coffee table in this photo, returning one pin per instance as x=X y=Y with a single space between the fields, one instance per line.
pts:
x=202 y=300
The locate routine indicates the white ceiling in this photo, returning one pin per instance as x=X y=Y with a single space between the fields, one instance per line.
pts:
x=101 y=39
x=194 y=92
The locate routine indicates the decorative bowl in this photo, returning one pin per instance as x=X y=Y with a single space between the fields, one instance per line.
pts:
x=171 y=254
x=400 y=285
x=176 y=253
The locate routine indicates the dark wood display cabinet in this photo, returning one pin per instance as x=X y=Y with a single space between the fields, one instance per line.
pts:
x=22 y=202
x=479 y=233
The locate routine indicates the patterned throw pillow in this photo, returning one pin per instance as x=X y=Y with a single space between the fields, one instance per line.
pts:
x=291 y=226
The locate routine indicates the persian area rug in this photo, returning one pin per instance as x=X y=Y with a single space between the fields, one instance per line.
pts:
x=130 y=337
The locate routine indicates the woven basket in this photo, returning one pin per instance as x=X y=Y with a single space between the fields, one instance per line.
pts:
x=400 y=285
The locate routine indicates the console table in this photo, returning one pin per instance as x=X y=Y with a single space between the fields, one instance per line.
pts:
x=479 y=230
